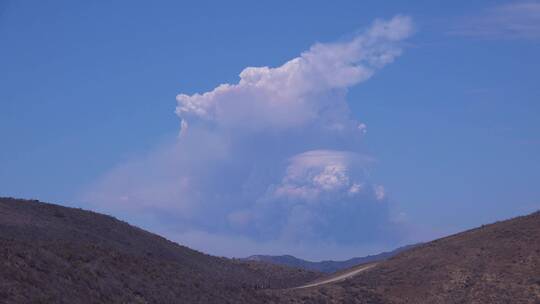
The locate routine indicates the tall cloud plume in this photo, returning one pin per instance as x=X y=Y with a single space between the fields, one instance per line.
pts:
x=273 y=161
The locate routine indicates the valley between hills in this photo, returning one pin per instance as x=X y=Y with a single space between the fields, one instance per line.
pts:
x=55 y=254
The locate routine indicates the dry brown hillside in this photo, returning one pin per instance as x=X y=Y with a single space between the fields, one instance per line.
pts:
x=497 y=263
x=54 y=254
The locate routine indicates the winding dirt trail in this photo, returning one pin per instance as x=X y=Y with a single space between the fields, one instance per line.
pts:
x=339 y=277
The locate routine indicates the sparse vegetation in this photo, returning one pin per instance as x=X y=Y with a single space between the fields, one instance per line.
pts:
x=497 y=263
x=53 y=254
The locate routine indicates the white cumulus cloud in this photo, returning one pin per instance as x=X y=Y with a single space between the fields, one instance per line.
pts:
x=314 y=173
x=275 y=158
x=302 y=89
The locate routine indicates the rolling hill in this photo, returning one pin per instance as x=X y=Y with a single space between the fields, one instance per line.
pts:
x=54 y=254
x=496 y=263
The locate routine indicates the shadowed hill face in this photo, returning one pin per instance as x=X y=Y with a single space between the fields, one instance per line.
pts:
x=55 y=254
x=497 y=263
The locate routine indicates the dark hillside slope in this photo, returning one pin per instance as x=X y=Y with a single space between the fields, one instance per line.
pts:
x=54 y=254
x=497 y=263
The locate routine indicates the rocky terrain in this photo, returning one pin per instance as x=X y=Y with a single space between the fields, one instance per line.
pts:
x=54 y=254
x=496 y=263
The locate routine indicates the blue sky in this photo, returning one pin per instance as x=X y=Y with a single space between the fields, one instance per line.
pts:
x=453 y=137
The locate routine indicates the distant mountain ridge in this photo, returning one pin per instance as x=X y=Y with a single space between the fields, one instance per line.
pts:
x=326 y=266
x=497 y=263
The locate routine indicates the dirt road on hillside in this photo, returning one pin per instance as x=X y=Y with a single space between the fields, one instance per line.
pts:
x=340 y=276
